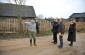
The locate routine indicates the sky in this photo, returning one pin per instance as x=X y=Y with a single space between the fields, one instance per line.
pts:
x=56 y=8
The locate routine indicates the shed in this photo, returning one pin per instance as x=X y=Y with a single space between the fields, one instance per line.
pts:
x=79 y=17
x=9 y=16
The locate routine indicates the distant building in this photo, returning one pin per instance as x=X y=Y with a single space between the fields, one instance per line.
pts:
x=79 y=17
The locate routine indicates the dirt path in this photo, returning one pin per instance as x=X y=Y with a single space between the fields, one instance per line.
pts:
x=45 y=47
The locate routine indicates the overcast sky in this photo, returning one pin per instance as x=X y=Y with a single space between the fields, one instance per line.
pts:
x=56 y=8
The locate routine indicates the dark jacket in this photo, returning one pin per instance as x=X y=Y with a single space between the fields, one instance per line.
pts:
x=72 y=32
x=37 y=25
x=61 y=28
x=55 y=27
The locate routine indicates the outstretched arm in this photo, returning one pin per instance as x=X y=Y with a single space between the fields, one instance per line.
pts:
x=27 y=23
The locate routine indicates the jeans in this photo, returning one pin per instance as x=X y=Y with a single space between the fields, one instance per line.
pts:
x=61 y=41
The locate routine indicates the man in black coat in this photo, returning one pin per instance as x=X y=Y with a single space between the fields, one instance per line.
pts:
x=72 y=33
x=55 y=30
x=37 y=26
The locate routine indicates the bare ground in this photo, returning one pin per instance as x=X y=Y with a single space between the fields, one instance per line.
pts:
x=44 y=46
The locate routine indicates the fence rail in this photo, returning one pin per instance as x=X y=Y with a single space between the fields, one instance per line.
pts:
x=11 y=25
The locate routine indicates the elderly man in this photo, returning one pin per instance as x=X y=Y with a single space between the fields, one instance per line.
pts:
x=32 y=31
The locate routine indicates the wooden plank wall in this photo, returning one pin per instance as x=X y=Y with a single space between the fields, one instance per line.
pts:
x=11 y=25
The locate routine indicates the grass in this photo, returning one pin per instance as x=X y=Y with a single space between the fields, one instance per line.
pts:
x=25 y=35
x=45 y=33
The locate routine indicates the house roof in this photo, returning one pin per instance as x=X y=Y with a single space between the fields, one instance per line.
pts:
x=12 y=10
x=77 y=15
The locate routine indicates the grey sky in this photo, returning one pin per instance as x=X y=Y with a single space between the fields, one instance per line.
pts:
x=56 y=8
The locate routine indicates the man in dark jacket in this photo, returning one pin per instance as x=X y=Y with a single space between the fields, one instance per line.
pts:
x=55 y=30
x=37 y=26
x=61 y=32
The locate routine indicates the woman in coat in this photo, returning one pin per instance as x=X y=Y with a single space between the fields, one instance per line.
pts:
x=72 y=33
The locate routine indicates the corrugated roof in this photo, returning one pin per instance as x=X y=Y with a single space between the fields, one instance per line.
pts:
x=16 y=10
x=77 y=15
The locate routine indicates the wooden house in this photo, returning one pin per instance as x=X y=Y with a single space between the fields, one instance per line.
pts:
x=10 y=13
x=79 y=17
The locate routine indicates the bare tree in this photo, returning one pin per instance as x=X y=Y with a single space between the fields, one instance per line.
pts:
x=19 y=2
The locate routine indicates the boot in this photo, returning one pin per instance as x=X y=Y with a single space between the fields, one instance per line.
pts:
x=35 y=42
x=31 y=42
x=71 y=44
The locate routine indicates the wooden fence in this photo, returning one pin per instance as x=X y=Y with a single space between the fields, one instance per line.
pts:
x=8 y=25
x=11 y=25
x=79 y=25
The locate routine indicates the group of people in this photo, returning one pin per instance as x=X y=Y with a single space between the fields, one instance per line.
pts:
x=58 y=28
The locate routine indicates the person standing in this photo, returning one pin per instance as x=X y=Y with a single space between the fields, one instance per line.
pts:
x=72 y=33
x=37 y=26
x=61 y=32
x=32 y=31
x=55 y=30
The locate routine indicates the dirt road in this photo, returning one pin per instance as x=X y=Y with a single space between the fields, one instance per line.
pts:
x=44 y=46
